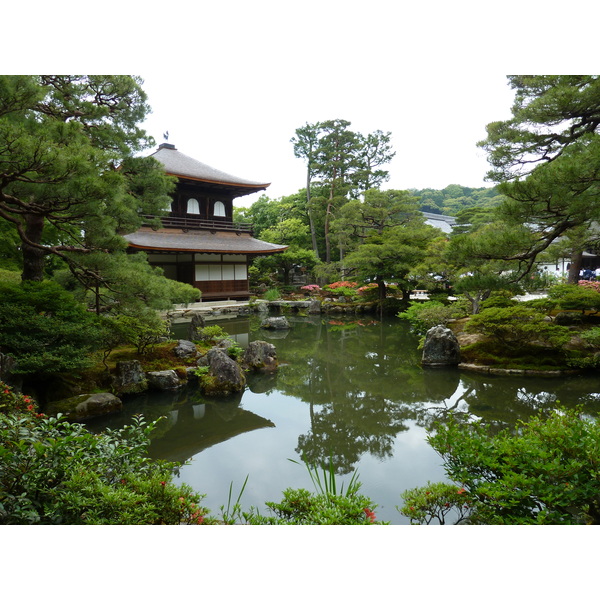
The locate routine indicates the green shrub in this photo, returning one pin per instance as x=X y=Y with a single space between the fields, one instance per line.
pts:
x=212 y=333
x=591 y=338
x=434 y=501
x=301 y=507
x=422 y=316
x=517 y=326
x=142 y=328
x=45 y=329
x=55 y=472
x=272 y=295
x=575 y=297
x=234 y=350
x=544 y=472
x=498 y=302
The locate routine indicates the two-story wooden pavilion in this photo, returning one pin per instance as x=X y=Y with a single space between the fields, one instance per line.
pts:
x=199 y=243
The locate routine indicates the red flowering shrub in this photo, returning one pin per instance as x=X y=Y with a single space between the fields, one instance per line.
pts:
x=13 y=402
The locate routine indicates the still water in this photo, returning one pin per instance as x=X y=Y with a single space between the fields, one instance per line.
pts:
x=348 y=390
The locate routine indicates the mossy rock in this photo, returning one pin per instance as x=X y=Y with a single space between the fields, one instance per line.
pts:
x=85 y=406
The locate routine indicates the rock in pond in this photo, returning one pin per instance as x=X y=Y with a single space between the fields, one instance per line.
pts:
x=163 y=380
x=129 y=378
x=225 y=376
x=275 y=323
x=85 y=406
x=441 y=348
x=260 y=356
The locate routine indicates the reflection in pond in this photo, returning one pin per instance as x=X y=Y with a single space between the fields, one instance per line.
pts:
x=349 y=391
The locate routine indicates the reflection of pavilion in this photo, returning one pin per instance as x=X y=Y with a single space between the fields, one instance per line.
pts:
x=197 y=427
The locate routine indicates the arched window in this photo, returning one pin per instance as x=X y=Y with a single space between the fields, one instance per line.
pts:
x=219 y=209
x=193 y=208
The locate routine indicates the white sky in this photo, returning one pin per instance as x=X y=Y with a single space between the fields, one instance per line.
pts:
x=231 y=81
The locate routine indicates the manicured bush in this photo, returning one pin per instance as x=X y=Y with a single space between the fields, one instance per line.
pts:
x=422 y=316
x=517 y=326
x=45 y=329
x=575 y=297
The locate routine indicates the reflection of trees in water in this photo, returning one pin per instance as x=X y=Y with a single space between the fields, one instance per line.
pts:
x=360 y=383
x=503 y=401
x=364 y=384
x=342 y=431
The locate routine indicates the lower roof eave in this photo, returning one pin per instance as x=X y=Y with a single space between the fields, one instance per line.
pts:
x=206 y=251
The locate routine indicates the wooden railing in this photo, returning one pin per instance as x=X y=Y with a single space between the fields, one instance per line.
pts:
x=198 y=223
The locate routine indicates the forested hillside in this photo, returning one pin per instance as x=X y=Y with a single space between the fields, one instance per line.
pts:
x=454 y=198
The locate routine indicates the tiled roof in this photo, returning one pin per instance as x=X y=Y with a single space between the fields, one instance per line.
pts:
x=200 y=241
x=177 y=163
x=443 y=222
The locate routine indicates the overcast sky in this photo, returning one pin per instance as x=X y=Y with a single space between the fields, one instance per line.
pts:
x=435 y=121
x=231 y=81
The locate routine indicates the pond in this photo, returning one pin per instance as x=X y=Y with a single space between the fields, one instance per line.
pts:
x=347 y=390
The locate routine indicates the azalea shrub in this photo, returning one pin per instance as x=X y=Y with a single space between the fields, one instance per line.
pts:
x=435 y=503
x=312 y=288
x=543 y=472
x=342 y=288
x=590 y=285
x=56 y=472
x=301 y=507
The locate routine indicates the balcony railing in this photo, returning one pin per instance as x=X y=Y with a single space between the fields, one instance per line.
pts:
x=191 y=223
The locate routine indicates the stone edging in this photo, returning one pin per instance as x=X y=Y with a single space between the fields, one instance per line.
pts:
x=497 y=371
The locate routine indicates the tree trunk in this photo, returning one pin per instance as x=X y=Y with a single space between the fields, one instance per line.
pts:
x=33 y=258
x=382 y=295
x=327 y=242
x=575 y=267
x=313 y=233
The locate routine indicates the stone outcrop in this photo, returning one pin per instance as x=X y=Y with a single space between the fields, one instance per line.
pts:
x=275 y=323
x=163 y=380
x=185 y=349
x=441 y=348
x=225 y=375
x=260 y=356
x=129 y=378
x=85 y=406
x=196 y=323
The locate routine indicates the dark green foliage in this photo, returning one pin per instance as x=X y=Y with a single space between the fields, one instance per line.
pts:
x=456 y=199
x=55 y=472
x=71 y=183
x=517 y=325
x=575 y=297
x=44 y=329
x=545 y=472
x=500 y=301
x=422 y=316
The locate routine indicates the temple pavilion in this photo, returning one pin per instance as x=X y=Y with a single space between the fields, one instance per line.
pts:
x=198 y=242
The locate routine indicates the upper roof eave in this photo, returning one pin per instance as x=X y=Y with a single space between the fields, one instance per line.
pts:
x=180 y=165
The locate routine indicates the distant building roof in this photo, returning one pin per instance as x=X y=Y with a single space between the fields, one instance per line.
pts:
x=183 y=166
x=222 y=242
x=443 y=222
